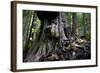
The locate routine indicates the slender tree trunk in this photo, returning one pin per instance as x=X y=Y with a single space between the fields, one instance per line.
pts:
x=74 y=23
x=84 y=24
x=25 y=50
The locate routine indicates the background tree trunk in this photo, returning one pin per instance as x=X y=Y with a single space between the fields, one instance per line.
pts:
x=84 y=23
x=74 y=23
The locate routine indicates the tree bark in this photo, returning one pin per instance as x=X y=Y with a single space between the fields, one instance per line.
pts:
x=74 y=23
x=51 y=43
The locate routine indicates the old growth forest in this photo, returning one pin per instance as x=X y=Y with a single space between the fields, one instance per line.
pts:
x=56 y=36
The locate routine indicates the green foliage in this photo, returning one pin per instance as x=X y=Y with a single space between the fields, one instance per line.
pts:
x=88 y=36
x=69 y=17
x=83 y=23
x=27 y=16
x=38 y=23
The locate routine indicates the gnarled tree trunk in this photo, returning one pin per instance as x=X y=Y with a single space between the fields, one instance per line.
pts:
x=53 y=41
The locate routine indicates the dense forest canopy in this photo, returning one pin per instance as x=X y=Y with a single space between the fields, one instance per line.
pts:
x=75 y=24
